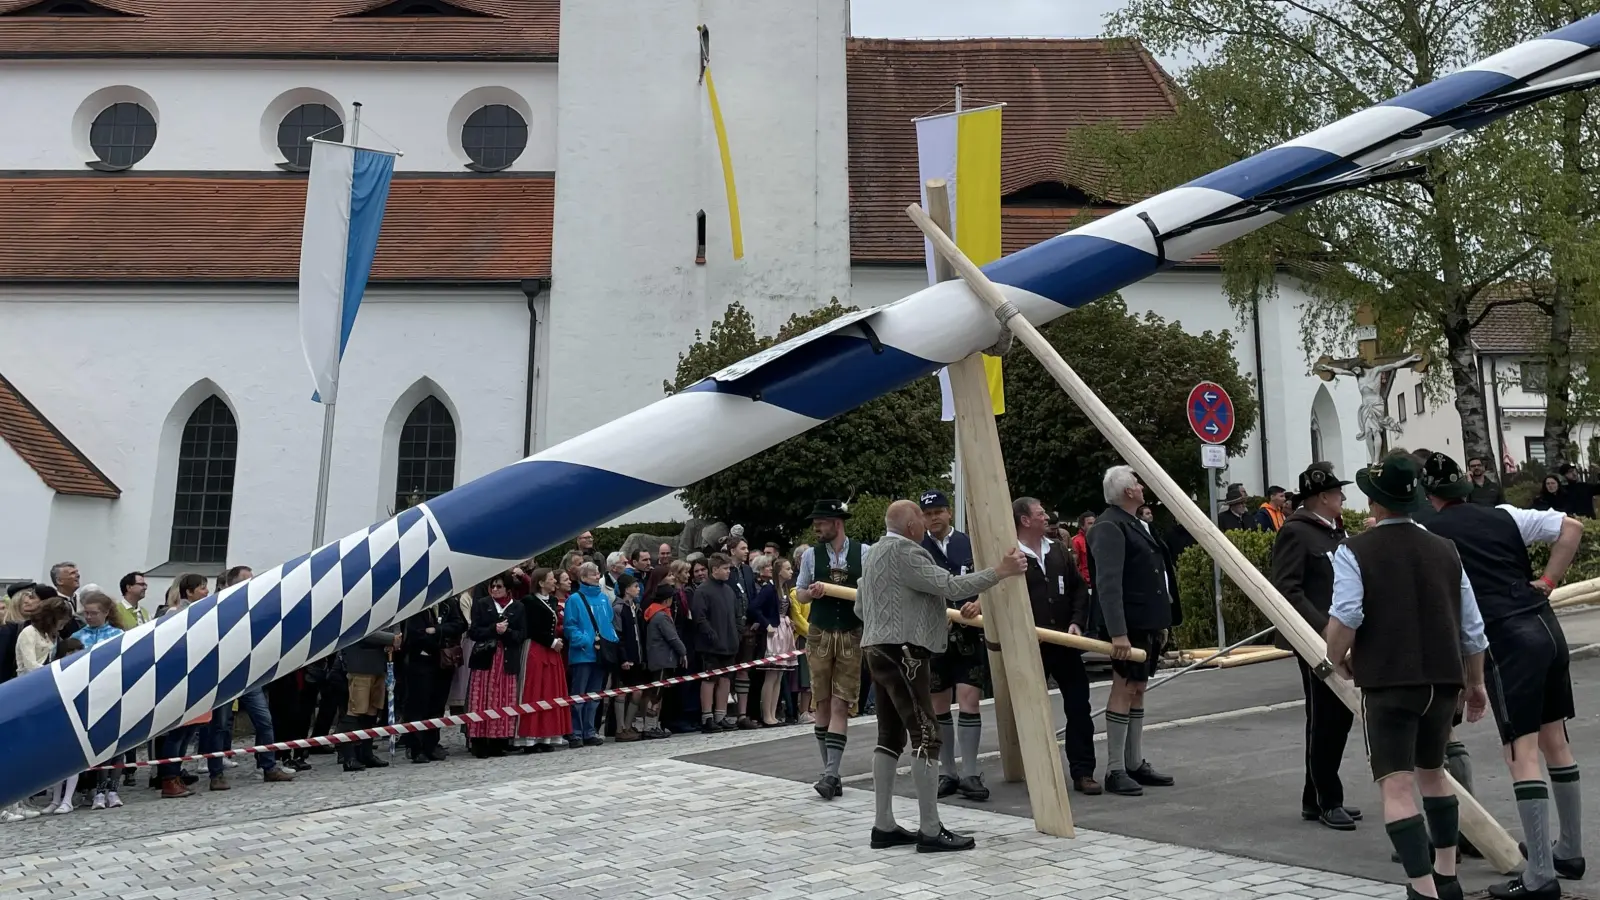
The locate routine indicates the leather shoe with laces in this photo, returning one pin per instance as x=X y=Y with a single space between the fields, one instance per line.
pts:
x=972 y=788
x=948 y=785
x=829 y=787
x=898 y=837
x=946 y=841
x=1337 y=819
x=1122 y=783
x=1149 y=777
x=1515 y=889
x=1086 y=784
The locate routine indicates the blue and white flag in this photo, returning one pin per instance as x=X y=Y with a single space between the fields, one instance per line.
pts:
x=345 y=197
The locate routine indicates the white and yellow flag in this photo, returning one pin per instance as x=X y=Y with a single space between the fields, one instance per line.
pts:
x=964 y=149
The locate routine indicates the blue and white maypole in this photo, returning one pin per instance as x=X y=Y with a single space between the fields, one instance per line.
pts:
x=345 y=197
x=97 y=704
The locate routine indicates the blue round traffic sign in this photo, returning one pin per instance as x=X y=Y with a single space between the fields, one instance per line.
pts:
x=1210 y=412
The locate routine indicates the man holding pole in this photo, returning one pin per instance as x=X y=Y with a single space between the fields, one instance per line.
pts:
x=1302 y=569
x=1136 y=592
x=960 y=669
x=902 y=604
x=834 y=644
x=1402 y=602
x=1531 y=687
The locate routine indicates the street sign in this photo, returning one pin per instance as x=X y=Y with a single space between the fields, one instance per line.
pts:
x=1214 y=456
x=1210 y=412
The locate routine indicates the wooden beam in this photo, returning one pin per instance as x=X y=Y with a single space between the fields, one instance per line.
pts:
x=1009 y=625
x=1046 y=635
x=1011 y=766
x=1476 y=823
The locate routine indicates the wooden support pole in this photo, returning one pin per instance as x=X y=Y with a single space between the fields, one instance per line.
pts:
x=1476 y=823
x=1011 y=767
x=1008 y=631
x=1045 y=635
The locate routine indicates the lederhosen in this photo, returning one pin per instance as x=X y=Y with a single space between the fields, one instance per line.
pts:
x=834 y=644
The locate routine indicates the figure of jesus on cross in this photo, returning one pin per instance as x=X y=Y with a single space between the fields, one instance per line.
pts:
x=1373 y=415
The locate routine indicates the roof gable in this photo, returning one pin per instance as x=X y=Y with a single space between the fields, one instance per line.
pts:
x=60 y=464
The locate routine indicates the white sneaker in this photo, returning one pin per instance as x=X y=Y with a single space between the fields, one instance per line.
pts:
x=28 y=813
x=112 y=800
x=229 y=764
x=9 y=816
x=99 y=800
x=64 y=808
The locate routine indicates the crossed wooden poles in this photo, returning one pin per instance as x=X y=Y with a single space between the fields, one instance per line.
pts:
x=1027 y=740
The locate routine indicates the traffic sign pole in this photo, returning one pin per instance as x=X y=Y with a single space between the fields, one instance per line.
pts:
x=1210 y=412
x=1216 y=570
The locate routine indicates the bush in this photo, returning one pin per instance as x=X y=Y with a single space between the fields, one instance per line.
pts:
x=607 y=539
x=1585 y=565
x=1239 y=615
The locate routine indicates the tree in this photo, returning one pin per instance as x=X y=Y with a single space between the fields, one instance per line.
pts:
x=1143 y=368
x=1421 y=253
x=894 y=446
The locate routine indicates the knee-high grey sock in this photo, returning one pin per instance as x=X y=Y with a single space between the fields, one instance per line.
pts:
x=925 y=775
x=834 y=754
x=821 y=731
x=1569 y=810
x=969 y=728
x=947 y=744
x=1458 y=762
x=883 y=765
x=1116 y=740
x=1533 y=808
x=1133 y=752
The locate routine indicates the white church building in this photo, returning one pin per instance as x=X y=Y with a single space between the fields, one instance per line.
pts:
x=557 y=230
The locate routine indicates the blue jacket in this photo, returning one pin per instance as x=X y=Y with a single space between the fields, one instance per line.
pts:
x=579 y=625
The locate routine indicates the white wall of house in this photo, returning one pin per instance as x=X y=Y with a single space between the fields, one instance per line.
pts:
x=129 y=365
x=638 y=158
x=24 y=516
x=223 y=115
x=1195 y=299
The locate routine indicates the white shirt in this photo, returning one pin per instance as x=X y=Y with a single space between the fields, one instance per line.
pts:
x=835 y=560
x=1538 y=526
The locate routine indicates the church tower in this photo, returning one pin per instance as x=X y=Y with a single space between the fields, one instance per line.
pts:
x=644 y=245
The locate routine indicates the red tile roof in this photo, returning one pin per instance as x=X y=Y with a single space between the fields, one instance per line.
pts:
x=502 y=30
x=132 y=228
x=61 y=466
x=1513 y=327
x=1050 y=86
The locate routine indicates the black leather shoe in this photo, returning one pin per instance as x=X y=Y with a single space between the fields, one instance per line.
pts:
x=1354 y=812
x=899 y=837
x=972 y=788
x=1337 y=819
x=1149 y=777
x=1122 y=783
x=829 y=787
x=1570 y=869
x=1516 y=890
x=371 y=761
x=945 y=841
x=948 y=784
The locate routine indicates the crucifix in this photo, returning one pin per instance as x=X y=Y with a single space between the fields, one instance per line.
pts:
x=1374 y=376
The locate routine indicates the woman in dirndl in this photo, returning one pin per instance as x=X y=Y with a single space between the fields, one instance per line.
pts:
x=496 y=633
x=544 y=671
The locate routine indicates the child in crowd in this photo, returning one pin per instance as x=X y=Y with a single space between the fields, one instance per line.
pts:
x=98 y=627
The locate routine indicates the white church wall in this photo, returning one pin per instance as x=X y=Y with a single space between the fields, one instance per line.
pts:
x=638 y=158
x=223 y=115
x=139 y=360
x=80 y=530
x=24 y=516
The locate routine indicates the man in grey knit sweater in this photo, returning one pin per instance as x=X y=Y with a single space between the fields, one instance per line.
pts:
x=902 y=608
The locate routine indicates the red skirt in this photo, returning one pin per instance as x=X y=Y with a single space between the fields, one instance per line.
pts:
x=544 y=677
x=492 y=688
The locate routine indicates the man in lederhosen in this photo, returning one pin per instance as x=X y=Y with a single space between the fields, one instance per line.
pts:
x=961 y=668
x=834 y=644
x=1402 y=603
x=1302 y=570
x=1528 y=672
x=1136 y=603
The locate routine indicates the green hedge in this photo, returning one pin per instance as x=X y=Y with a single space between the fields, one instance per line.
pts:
x=608 y=539
x=1239 y=615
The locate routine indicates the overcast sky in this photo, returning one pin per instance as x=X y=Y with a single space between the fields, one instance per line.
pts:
x=986 y=18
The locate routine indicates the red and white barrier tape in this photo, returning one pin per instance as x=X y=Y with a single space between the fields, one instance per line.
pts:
x=487 y=715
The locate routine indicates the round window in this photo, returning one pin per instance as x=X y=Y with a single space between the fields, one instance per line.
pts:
x=303 y=123
x=494 y=137
x=122 y=134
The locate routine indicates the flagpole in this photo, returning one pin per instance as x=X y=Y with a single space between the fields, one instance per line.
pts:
x=319 y=519
x=958 y=475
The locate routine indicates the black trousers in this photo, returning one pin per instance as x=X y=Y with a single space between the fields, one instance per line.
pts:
x=1066 y=667
x=1328 y=723
x=427 y=691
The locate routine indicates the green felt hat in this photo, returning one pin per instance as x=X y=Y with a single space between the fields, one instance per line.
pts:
x=1395 y=483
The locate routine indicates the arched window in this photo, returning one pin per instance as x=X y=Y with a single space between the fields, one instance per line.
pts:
x=203 y=500
x=1316 y=438
x=427 y=460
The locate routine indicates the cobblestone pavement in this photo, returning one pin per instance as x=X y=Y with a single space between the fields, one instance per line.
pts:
x=551 y=826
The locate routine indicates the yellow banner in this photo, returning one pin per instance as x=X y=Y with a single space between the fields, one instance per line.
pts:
x=978 y=208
